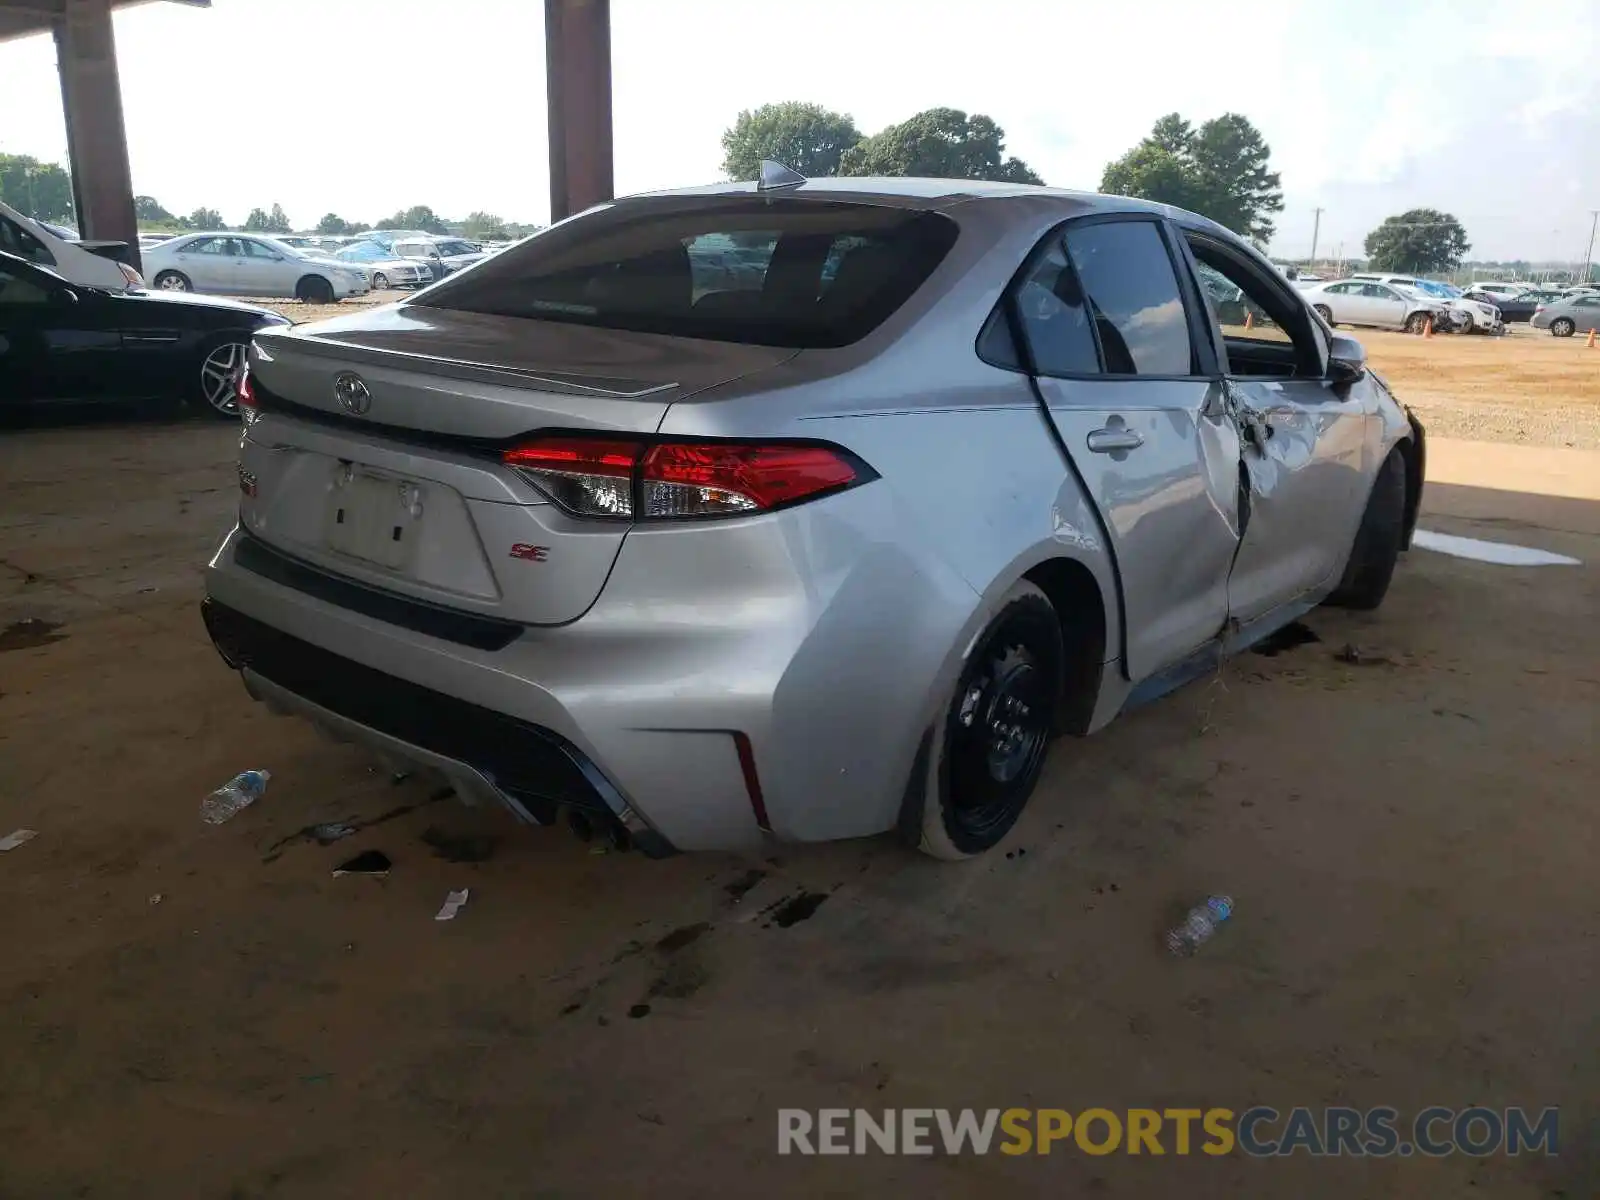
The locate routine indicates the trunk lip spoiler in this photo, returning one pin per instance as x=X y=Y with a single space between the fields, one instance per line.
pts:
x=458 y=368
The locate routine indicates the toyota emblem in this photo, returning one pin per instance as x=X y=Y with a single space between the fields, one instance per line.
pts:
x=352 y=393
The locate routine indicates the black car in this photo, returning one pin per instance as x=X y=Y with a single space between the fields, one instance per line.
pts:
x=62 y=342
x=1515 y=308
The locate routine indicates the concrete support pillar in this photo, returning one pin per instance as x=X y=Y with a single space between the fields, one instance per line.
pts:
x=577 y=48
x=97 y=143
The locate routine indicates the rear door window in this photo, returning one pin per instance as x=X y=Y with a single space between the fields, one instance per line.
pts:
x=1132 y=293
x=1055 y=319
x=774 y=271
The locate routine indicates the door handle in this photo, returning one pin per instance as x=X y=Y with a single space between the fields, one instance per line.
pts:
x=1112 y=440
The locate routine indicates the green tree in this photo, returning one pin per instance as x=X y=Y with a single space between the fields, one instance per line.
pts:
x=943 y=143
x=1219 y=171
x=206 y=218
x=41 y=190
x=807 y=137
x=418 y=216
x=261 y=221
x=1421 y=239
x=148 y=209
x=333 y=223
x=484 y=227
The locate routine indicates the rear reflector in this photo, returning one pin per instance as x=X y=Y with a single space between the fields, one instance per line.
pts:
x=605 y=477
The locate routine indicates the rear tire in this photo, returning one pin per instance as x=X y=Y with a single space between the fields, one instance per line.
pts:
x=1563 y=327
x=989 y=745
x=1325 y=313
x=172 y=281
x=380 y=282
x=314 y=289
x=1378 y=541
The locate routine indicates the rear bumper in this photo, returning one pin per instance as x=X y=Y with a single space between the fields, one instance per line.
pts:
x=531 y=770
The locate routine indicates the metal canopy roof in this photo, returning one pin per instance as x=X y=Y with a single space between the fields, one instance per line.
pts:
x=22 y=18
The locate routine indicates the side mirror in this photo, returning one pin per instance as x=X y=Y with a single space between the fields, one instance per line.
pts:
x=1347 y=359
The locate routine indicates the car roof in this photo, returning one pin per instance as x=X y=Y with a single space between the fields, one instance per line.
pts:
x=917 y=192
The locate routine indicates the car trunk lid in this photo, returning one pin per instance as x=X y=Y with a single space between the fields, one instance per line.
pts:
x=377 y=461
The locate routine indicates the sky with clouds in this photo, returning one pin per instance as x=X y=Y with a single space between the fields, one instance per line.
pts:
x=363 y=107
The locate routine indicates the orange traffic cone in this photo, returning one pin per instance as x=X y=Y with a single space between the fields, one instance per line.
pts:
x=1427 y=327
x=1591 y=339
x=1250 y=320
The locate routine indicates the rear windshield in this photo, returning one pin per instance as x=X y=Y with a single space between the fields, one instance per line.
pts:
x=778 y=272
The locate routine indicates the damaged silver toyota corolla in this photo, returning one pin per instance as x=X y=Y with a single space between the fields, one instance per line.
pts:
x=803 y=509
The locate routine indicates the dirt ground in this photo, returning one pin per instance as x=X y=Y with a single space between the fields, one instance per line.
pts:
x=205 y=1011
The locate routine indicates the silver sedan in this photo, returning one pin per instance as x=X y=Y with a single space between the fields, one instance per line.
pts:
x=249 y=265
x=1380 y=305
x=1576 y=314
x=826 y=549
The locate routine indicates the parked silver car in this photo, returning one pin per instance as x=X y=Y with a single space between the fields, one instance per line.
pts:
x=250 y=265
x=458 y=253
x=386 y=269
x=805 y=559
x=1578 y=313
x=1364 y=302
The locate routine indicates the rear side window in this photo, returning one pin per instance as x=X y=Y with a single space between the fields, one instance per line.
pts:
x=1132 y=294
x=1055 y=319
x=770 y=271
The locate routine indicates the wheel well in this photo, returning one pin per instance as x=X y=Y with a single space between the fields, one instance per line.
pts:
x=1074 y=594
x=1411 y=453
x=309 y=277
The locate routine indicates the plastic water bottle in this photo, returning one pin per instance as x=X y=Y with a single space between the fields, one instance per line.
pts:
x=1199 y=925
x=239 y=792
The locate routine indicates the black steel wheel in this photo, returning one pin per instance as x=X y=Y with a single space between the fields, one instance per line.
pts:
x=996 y=729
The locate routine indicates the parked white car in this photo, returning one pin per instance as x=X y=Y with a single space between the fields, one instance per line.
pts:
x=1364 y=302
x=1497 y=287
x=251 y=265
x=386 y=269
x=1476 y=315
x=40 y=244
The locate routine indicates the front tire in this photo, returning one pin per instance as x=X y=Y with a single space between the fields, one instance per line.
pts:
x=380 y=282
x=173 y=281
x=1563 y=327
x=1377 y=547
x=1416 y=322
x=989 y=746
x=314 y=289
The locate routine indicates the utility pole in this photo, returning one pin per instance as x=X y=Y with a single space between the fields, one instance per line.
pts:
x=1588 y=255
x=1316 y=229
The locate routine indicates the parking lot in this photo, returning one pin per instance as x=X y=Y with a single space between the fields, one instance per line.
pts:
x=1410 y=838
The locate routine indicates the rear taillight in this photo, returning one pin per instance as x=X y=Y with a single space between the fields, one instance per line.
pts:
x=607 y=477
x=591 y=477
x=244 y=396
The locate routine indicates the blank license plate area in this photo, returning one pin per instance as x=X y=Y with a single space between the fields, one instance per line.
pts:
x=374 y=518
